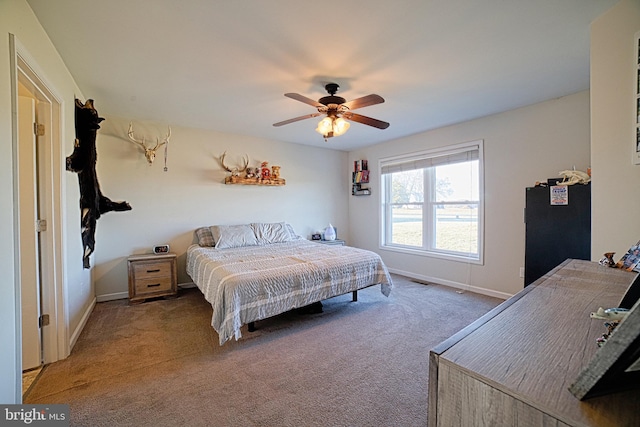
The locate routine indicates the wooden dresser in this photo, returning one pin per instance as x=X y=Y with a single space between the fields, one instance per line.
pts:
x=152 y=275
x=513 y=366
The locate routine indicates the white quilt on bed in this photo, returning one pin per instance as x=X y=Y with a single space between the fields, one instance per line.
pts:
x=255 y=282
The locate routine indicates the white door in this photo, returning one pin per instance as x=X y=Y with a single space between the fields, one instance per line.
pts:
x=29 y=241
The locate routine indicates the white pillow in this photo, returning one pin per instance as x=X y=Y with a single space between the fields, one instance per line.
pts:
x=267 y=233
x=292 y=232
x=233 y=236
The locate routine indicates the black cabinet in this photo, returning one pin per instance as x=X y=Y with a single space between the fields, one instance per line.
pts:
x=555 y=232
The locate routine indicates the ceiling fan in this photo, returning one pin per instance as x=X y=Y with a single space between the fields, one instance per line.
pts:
x=337 y=109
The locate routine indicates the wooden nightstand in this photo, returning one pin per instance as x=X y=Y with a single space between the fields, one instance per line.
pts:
x=152 y=275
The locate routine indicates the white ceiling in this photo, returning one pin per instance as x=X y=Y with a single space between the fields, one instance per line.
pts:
x=225 y=65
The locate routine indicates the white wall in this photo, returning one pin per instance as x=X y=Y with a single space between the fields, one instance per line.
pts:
x=17 y=18
x=520 y=147
x=168 y=206
x=613 y=82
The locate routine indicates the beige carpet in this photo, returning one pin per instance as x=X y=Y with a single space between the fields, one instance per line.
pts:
x=361 y=363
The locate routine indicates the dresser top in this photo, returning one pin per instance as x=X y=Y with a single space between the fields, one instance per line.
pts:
x=537 y=344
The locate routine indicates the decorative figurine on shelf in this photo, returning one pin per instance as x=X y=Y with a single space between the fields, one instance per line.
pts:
x=608 y=259
x=275 y=172
x=252 y=173
x=265 y=172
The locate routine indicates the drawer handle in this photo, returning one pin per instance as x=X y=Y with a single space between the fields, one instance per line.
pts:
x=153 y=271
x=154 y=285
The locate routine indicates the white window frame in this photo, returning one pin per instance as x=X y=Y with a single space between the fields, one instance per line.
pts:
x=419 y=157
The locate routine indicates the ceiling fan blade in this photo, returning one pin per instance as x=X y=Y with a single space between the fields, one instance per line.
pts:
x=365 y=101
x=303 y=98
x=296 y=119
x=366 y=120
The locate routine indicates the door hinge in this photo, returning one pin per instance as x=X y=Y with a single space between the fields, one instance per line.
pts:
x=43 y=320
x=38 y=129
x=41 y=225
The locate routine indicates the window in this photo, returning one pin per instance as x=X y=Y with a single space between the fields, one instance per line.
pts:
x=432 y=202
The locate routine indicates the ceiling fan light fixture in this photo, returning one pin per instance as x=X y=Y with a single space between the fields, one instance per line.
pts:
x=340 y=126
x=325 y=126
x=332 y=126
x=337 y=109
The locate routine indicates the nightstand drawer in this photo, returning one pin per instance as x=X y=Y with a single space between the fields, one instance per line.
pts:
x=150 y=270
x=147 y=285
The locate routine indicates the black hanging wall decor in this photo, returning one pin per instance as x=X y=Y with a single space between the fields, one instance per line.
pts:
x=83 y=162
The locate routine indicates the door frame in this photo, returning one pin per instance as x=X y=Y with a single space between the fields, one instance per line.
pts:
x=25 y=69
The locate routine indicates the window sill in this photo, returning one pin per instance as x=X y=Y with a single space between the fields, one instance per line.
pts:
x=431 y=254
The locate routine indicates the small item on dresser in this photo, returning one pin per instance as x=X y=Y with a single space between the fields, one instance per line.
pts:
x=630 y=261
x=607 y=260
x=330 y=233
x=161 y=249
x=610 y=327
x=316 y=236
x=612 y=314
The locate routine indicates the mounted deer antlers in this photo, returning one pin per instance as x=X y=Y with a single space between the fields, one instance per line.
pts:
x=234 y=171
x=150 y=153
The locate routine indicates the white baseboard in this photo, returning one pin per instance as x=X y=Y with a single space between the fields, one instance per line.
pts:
x=111 y=297
x=83 y=321
x=452 y=284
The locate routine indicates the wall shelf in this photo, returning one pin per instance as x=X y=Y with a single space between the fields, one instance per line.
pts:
x=254 y=181
x=359 y=176
x=357 y=190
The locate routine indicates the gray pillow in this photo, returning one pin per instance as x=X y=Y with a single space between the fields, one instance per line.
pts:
x=233 y=236
x=204 y=237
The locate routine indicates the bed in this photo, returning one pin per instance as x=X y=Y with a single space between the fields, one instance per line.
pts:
x=254 y=271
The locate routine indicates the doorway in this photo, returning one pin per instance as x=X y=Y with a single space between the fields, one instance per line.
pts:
x=38 y=164
x=29 y=202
